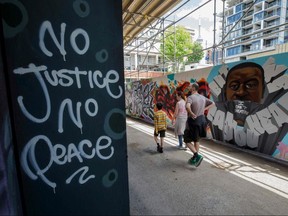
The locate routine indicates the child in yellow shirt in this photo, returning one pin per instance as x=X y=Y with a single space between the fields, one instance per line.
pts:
x=160 y=126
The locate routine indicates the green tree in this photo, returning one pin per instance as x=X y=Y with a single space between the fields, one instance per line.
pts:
x=197 y=53
x=177 y=43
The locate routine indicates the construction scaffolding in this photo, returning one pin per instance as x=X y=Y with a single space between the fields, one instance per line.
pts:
x=159 y=25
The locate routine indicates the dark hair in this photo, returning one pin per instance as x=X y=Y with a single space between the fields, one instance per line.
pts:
x=159 y=105
x=181 y=94
x=195 y=85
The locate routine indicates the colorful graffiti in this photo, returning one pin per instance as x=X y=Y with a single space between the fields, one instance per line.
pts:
x=142 y=95
x=251 y=101
x=139 y=99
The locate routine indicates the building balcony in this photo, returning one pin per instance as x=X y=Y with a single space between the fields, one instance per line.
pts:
x=247 y=6
x=270 y=35
x=246 y=42
x=247 y=32
x=271 y=24
x=247 y=24
x=248 y=16
x=268 y=45
x=258 y=2
x=271 y=16
x=246 y=50
x=257 y=35
x=272 y=6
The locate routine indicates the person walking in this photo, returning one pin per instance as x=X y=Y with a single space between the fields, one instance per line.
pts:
x=196 y=105
x=160 y=126
x=180 y=116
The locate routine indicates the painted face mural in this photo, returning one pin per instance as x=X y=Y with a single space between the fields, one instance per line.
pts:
x=243 y=90
x=251 y=101
x=245 y=82
x=251 y=108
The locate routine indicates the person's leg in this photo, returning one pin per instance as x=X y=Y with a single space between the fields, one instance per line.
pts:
x=161 y=142
x=180 y=139
x=191 y=147
x=157 y=143
x=156 y=139
x=198 y=157
x=197 y=146
x=193 y=150
x=162 y=136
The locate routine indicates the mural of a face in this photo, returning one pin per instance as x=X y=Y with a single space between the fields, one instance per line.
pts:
x=251 y=101
x=245 y=83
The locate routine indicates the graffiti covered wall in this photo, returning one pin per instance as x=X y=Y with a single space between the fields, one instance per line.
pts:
x=65 y=88
x=251 y=101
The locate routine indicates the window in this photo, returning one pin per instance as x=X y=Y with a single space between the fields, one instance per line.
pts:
x=255 y=45
x=258 y=16
x=233 y=18
x=257 y=1
x=151 y=59
x=238 y=8
x=233 y=51
x=142 y=44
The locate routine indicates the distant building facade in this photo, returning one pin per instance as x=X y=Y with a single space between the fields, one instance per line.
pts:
x=143 y=59
x=262 y=29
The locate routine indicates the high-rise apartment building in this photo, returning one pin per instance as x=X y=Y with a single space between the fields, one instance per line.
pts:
x=253 y=26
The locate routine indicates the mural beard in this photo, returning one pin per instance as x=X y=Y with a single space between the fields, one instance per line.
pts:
x=241 y=109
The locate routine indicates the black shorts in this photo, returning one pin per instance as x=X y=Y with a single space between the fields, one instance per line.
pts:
x=162 y=133
x=195 y=129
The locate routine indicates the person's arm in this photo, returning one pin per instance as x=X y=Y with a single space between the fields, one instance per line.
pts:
x=189 y=111
x=211 y=104
x=166 y=121
x=155 y=123
x=176 y=110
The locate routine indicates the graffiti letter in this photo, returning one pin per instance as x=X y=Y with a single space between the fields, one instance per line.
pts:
x=252 y=122
x=282 y=102
x=36 y=70
x=100 y=147
x=265 y=119
x=252 y=138
x=215 y=89
x=77 y=121
x=240 y=136
x=229 y=126
x=279 y=83
x=46 y=25
x=279 y=117
x=74 y=34
x=211 y=113
x=220 y=81
x=219 y=119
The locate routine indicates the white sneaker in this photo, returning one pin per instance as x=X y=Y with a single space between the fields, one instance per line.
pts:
x=181 y=148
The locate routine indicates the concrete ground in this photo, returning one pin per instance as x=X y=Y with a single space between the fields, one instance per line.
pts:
x=229 y=181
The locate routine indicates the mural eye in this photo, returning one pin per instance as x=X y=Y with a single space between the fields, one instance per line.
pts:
x=251 y=84
x=234 y=86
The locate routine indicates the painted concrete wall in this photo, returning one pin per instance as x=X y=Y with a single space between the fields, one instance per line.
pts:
x=255 y=118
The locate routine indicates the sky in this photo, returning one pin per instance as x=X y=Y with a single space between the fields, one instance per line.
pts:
x=206 y=16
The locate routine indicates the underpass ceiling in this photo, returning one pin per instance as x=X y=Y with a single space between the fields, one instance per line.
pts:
x=139 y=14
